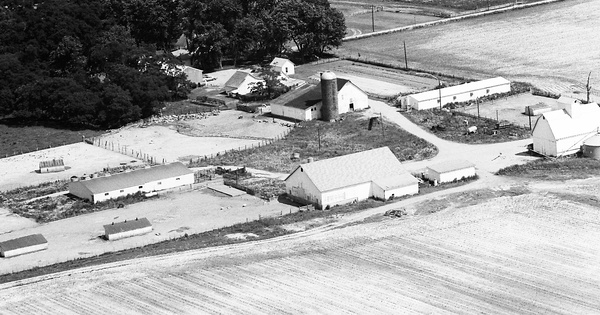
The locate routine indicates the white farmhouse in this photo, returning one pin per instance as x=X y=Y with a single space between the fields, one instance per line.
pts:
x=282 y=65
x=458 y=93
x=562 y=132
x=305 y=103
x=122 y=184
x=449 y=171
x=353 y=177
x=241 y=83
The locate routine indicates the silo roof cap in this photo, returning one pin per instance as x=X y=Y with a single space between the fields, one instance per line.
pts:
x=328 y=75
x=593 y=141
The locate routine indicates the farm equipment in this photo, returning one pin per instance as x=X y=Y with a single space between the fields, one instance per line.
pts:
x=395 y=213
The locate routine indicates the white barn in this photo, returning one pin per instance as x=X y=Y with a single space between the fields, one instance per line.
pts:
x=458 y=93
x=449 y=171
x=304 y=103
x=562 y=132
x=241 y=83
x=353 y=177
x=122 y=184
x=125 y=229
x=283 y=65
x=23 y=245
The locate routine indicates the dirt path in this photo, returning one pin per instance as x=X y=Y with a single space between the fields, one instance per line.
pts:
x=486 y=157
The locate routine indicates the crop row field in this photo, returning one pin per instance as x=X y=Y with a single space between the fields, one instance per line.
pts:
x=523 y=254
x=551 y=46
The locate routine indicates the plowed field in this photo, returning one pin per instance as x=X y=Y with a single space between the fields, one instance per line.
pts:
x=533 y=253
x=553 y=46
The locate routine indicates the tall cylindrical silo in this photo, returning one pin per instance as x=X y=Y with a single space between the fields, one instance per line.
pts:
x=591 y=147
x=329 y=95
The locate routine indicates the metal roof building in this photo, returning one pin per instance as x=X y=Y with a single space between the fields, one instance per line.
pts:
x=454 y=94
x=282 y=65
x=449 y=171
x=143 y=180
x=23 y=245
x=124 y=229
x=353 y=177
x=304 y=103
x=54 y=165
x=563 y=132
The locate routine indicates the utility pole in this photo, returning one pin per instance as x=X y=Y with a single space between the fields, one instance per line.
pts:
x=382 y=128
x=405 y=60
x=497 y=115
x=440 y=90
x=319 y=136
x=373 y=17
x=477 y=101
x=529 y=114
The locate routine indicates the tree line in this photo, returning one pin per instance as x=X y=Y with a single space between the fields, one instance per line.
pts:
x=95 y=64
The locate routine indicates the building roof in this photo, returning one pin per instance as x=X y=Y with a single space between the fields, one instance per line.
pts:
x=400 y=180
x=52 y=163
x=594 y=141
x=352 y=169
x=306 y=95
x=279 y=62
x=449 y=166
x=459 y=89
x=564 y=125
x=22 y=242
x=126 y=226
x=237 y=79
x=134 y=178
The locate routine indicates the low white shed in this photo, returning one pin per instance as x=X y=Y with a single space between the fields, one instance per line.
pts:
x=23 y=245
x=124 y=229
x=449 y=171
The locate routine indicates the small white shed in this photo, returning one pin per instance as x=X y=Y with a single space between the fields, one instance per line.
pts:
x=125 y=229
x=449 y=171
x=283 y=65
x=23 y=245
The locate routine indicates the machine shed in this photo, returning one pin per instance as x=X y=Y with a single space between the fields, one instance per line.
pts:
x=125 y=229
x=23 y=245
x=449 y=171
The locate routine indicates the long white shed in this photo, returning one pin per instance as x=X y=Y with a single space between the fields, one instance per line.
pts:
x=449 y=171
x=23 y=245
x=125 y=229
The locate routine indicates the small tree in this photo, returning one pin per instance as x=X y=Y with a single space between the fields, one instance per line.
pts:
x=271 y=87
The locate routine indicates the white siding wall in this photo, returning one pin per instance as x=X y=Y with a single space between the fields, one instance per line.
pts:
x=378 y=192
x=288 y=68
x=351 y=94
x=450 y=176
x=24 y=250
x=167 y=183
x=300 y=186
x=246 y=86
x=346 y=195
x=461 y=97
x=194 y=75
x=125 y=234
x=290 y=112
x=543 y=139
x=572 y=144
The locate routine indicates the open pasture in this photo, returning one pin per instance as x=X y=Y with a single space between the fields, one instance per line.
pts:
x=524 y=254
x=551 y=46
x=384 y=20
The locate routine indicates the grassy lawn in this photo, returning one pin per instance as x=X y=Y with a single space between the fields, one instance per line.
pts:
x=23 y=139
x=451 y=126
x=555 y=169
x=340 y=138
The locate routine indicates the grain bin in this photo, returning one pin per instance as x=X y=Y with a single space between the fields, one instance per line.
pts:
x=591 y=147
x=329 y=108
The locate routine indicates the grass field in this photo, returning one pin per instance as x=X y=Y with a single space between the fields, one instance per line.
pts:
x=384 y=20
x=555 y=169
x=532 y=45
x=340 y=138
x=18 y=139
x=451 y=126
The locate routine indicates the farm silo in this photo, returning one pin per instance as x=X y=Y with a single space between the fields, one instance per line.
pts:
x=329 y=108
x=591 y=147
